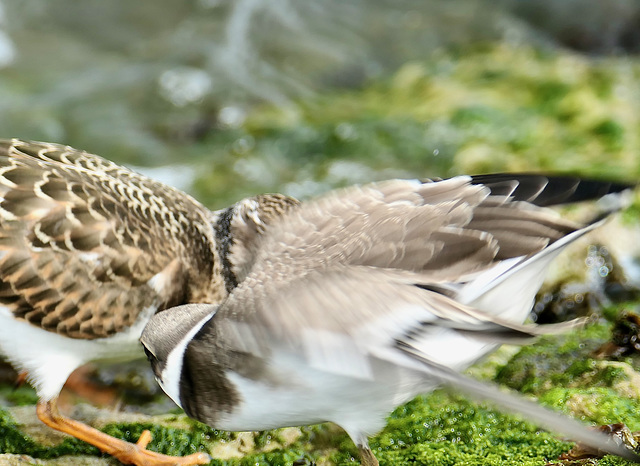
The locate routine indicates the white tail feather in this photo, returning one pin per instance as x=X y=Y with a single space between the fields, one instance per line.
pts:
x=510 y=293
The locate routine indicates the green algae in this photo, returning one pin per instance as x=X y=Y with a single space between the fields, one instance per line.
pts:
x=558 y=361
x=599 y=405
x=12 y=440
x=20 y=396
x=614 y=461
x=445 y=429
x=167 y=440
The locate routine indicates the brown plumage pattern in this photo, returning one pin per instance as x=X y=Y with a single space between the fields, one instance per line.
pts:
x=89 y=251
x=80 y=238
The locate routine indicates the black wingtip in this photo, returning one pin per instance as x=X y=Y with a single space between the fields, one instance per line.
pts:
x=548 y=190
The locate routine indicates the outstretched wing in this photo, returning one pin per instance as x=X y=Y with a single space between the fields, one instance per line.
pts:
x=442 y=230
x=86 y=245
x=384 y=253
x=545 y=191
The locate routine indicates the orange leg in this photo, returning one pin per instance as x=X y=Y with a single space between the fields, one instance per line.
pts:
x=21 y=379
x=125 y=452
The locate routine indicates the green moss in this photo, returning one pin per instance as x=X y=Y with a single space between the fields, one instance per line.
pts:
x=599 y=405
x=611 y=313
x=549 y=94
x=300 y=154
x=614 y=461
x=274 y=458
x=12 y=440
x=166 y=440
x=611 y=133
x=478 y=114
x=558 y=361
x=443 y=429
x=20 y=396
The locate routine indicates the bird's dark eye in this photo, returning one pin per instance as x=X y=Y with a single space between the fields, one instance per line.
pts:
x=155 y=366
x=149 y=354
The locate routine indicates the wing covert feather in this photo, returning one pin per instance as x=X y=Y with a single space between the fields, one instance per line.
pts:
x=81 y=238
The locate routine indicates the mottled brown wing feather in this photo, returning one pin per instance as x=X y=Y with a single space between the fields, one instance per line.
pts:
x=80 y=238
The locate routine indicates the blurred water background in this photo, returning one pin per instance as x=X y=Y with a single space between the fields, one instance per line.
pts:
x=230 y=98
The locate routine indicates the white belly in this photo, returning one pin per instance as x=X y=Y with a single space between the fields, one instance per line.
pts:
x=310 y=396
x=49 y=358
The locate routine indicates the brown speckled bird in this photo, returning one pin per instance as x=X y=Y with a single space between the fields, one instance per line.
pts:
x=89 y=251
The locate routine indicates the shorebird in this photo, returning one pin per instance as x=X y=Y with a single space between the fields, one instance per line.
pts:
x=355 y=302
x=89 y=251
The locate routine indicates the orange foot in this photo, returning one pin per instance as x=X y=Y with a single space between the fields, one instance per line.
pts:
x=127 y=453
